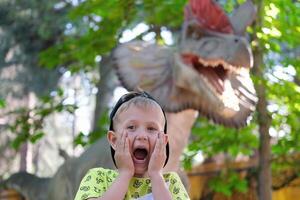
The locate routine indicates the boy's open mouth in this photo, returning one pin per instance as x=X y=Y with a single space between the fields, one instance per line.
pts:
x=140 y=154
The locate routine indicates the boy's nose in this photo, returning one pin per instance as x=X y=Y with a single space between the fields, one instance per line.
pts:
x=141 y=136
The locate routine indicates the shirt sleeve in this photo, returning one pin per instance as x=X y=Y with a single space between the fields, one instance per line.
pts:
x=177 y=189
x=93 y=184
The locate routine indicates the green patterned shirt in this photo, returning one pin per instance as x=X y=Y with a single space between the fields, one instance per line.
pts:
x=98 y=180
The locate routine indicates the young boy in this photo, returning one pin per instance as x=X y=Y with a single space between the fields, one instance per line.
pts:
x=140 y=149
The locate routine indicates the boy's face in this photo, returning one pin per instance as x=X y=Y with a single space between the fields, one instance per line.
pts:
x=142 y=125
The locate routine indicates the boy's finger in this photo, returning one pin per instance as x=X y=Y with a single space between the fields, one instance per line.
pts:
x=161 y=137
x=158 y=143
x=120 y=143
x=117 y=143
x=126 y=144
x=123 y=138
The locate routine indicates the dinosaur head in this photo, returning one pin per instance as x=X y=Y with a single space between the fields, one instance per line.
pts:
x=220 y=62
x=215 y=52
x=209 y=71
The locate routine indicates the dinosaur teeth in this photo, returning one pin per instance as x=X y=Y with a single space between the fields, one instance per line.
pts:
x=216 y=63
x=228 y=66
x=205 y=64
x=229 y=98
x=208 y=84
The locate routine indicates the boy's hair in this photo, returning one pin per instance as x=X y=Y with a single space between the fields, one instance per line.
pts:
x=140 y=102
x=134 y=98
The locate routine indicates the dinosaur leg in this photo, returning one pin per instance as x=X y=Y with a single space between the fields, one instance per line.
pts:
x=179 y=129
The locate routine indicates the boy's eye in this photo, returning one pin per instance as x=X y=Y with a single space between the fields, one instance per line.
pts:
x=152 y=129
x=131 y=127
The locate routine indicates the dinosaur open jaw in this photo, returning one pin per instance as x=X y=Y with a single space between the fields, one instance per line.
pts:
x=214 y=75
x=214 y=72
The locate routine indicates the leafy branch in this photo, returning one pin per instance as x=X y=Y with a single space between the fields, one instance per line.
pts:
x=29 y=122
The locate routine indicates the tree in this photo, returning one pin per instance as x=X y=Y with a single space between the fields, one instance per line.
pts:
x=97 y=26
x=274 y=37
x=26 y=28
x=270 y=16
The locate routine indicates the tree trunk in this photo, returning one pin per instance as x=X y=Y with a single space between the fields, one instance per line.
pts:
x=264 y=120
x=23 y=157
x=105 y=86
x=25 y=150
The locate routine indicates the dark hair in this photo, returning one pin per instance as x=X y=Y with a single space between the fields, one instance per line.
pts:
x=126 y=98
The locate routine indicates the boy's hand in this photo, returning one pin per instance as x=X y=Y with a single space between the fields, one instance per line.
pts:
x=123 y=157
x=158 y=156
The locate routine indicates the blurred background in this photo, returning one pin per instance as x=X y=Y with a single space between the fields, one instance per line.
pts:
x=57 y=87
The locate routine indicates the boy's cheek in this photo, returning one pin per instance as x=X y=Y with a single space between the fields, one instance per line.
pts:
x=153 y=143
x=130 y=140
x=152 y=139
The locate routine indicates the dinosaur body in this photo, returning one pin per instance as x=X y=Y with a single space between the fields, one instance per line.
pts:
x=209 y=71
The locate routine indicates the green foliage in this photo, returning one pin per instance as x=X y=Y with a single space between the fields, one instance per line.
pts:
x=279 y=37
x=285 y=117
x=90 y=138
x=228 y=182
x=96 y=27
x=28 y=125
x=2 y=103
x=212 y=139
x=167 y=12
x=28 y=27
x=188 y=157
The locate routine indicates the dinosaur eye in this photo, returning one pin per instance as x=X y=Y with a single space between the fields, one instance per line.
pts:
x=209 y=46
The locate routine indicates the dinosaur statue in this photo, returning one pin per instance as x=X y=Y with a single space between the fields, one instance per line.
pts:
x=208 y=72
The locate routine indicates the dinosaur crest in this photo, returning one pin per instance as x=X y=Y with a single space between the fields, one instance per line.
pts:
x=208 y=15
x=208 y=72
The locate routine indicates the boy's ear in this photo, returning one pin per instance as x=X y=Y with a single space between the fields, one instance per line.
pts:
x=112 y=139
